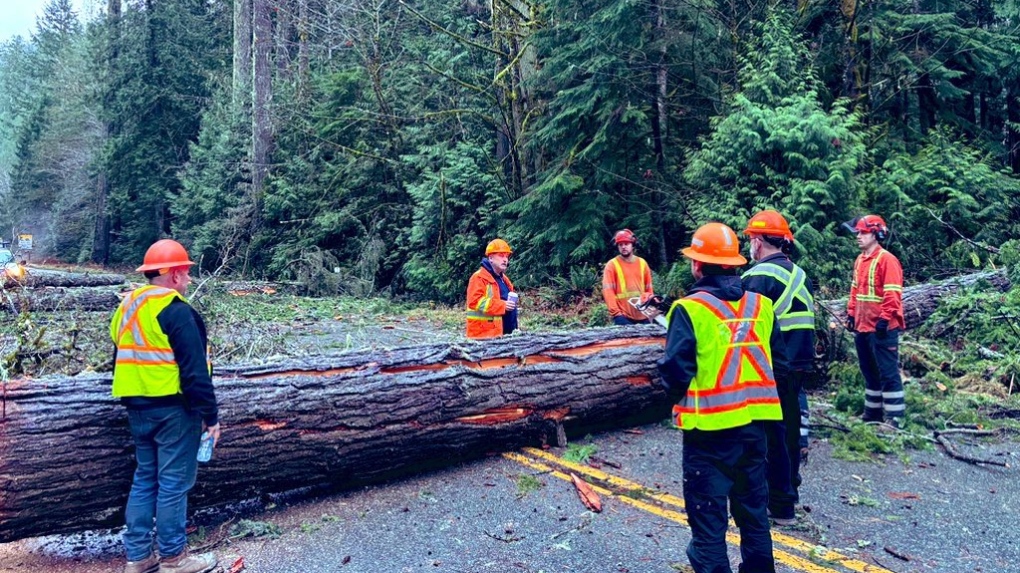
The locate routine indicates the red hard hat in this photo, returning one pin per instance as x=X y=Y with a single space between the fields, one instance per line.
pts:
x=498 y=246
x=870 y=224
x=716 y=244
x=625 y=236
x=165 y=254
x=770 y=223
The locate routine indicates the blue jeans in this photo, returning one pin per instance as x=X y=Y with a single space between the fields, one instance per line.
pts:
x=166 y=447
x=727 y=466
x=625 y=321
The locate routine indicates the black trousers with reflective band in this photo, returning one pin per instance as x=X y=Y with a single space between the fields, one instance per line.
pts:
x=879 y=357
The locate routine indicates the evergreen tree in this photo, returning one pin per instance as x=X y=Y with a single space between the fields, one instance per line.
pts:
x=776 y=146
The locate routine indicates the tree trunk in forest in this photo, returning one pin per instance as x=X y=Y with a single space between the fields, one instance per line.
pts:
x=1013 y=125
x=660 y=127
x=325 y=423
x=302 y=50
x=262 y=129
x=516 y=63
x=101 y=230
x=242 y=55
x=920 y=301
x=56 y=299
x=284 y=11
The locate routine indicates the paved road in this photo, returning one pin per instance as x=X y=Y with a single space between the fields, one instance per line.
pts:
x=936 y=514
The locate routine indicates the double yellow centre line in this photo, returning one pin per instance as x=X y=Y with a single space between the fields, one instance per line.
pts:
x=788 y=550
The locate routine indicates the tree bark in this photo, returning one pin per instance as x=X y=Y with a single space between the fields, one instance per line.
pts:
x=43 y=278
x=324 y=422
x=262 y=129
x=920 y=301
x=242 y=55
x=55 y=299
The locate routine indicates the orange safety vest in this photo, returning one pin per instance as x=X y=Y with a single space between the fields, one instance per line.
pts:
x=617 y=290
x=734 y=384
x=485 y=307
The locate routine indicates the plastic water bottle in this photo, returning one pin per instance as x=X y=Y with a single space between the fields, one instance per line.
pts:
x=205 y=448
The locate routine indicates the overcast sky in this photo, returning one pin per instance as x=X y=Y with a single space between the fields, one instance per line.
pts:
x=18 y=16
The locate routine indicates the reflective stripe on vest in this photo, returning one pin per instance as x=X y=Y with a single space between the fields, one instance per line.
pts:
x=868 y=294
x=795 y=288
x=734 y=384
x=145 y=364
x=483 y=305
x=621 y=282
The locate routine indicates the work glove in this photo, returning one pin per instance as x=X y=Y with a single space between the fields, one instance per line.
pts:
x=882 y=326
x=850 y=324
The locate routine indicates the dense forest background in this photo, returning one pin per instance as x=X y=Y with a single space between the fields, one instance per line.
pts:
x=362 y=146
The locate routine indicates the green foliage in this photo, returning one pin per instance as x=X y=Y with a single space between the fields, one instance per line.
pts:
x=579 y=453
x=527 y=483
x=947 y=205
x=249 y=528
x=778 y=147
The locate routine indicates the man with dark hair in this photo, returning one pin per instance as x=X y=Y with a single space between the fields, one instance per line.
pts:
x=875 y=315
x=722 y=356
x=786 y=285
x=626 y=277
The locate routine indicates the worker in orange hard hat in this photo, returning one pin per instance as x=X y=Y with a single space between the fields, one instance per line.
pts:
x=775 y=276
x=875 y=316
x=162 y=375
x=624 y=278
x=491 y=300
x=721 y=360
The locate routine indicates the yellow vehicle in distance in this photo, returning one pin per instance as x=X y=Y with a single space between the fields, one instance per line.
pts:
x=11 y=271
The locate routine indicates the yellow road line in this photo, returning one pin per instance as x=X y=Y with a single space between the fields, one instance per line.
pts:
x=778 y=537
x=798 y=563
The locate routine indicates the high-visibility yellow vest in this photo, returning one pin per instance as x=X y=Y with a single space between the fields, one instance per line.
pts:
x=621 y=281
x=796 y=289
x=734 y=384
x=145 y=361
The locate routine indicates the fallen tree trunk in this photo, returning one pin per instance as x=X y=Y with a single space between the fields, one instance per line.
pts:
x=47 y=278
x=920 y=301
x=325 y=422
x=51 y=299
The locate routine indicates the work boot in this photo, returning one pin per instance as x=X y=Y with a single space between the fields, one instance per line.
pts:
x=148 y=565
x=188 y=563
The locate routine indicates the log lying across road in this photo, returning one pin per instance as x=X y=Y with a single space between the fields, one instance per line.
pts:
x=329 y=422
x=57 y=299
x=325 y=422
x=50 y=278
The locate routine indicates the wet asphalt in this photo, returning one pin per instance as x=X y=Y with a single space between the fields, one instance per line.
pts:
x=510 y=513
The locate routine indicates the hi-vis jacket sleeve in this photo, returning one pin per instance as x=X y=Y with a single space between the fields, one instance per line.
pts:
x=609 y=290
x=891 y=277
x=851 y=306
x=483 y=296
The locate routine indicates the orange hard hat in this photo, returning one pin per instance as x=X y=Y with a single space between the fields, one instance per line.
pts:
x=498 y=246
x=625 y=236
x=716 y=244
x=165 y=254
x=770 y=223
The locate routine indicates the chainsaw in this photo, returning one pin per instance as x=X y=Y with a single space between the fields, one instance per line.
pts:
x=654 y=308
